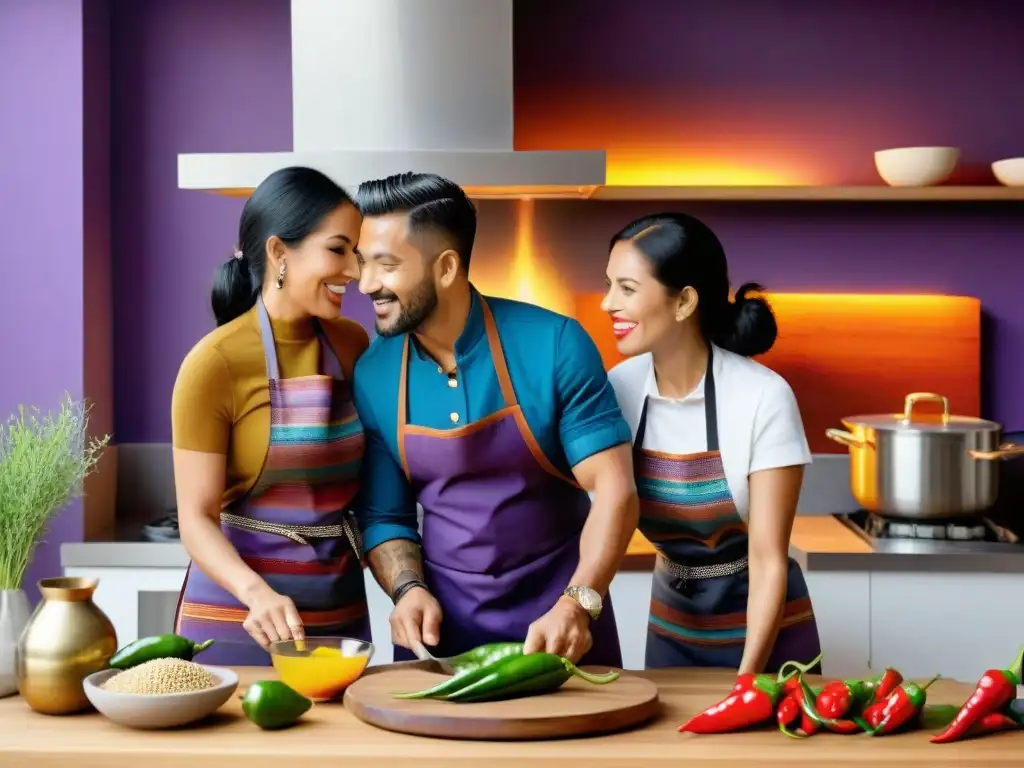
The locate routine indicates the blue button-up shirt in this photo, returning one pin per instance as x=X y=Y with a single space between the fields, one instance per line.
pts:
x=556 y=371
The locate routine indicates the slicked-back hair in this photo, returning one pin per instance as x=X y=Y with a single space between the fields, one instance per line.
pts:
x=433 y=204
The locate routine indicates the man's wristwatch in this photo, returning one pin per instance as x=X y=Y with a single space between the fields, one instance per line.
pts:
x=588 y=599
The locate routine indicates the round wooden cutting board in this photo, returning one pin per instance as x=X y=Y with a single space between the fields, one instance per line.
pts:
x=576 y=709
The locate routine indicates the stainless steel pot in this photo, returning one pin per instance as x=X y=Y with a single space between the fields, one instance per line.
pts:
x=914 y=467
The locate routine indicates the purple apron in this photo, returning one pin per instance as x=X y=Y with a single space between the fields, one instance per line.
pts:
x=698 y=613
x=294 y=527
x=501 y=525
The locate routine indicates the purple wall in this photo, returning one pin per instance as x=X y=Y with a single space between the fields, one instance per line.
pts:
x=56 y=207
x=188 y=76
x=195 y=76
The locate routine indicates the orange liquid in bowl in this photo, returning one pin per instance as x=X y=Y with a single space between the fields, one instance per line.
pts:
x=322 y=674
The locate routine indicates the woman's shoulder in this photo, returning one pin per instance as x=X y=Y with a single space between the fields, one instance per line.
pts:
x=745 y=376
x=223 y=346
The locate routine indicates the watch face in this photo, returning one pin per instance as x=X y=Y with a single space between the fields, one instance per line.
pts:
x=588 y=598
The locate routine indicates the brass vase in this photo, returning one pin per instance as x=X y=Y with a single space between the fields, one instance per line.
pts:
x=67 y=639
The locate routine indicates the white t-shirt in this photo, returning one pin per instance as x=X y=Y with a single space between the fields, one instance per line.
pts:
x=759 y=424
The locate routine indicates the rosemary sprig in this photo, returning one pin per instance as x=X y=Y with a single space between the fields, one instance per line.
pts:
x=43 y=460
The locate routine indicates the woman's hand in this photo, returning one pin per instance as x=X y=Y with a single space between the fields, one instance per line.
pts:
x=272 y=617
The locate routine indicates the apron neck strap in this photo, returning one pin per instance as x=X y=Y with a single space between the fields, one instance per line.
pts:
x=330 y=365
x=710 y=409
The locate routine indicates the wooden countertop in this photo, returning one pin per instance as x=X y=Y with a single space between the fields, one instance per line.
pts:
x=330 y=736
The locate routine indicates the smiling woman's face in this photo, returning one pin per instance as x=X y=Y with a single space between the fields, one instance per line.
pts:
x=643 y=311
x=319 y=268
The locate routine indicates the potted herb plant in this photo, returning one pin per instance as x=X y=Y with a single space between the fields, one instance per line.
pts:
x=43 y=460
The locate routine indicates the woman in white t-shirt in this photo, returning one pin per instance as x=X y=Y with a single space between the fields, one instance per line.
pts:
x=719 y=451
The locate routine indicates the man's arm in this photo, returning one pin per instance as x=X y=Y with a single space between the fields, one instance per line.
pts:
x=597 y=444
x=614 y=513
x=385 y=508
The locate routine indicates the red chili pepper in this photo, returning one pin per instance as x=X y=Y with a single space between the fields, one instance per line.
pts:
x=751 y=702
x=872 y=714
x=902 y=707
x=812 y=721
x=841 y=697
x=845 y=727
x=793 y=704
x=994 y=722
x=995 y=689
x=882 y=686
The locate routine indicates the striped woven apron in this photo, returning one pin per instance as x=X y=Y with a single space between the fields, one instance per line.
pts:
x=698 y=614
x=294 y=527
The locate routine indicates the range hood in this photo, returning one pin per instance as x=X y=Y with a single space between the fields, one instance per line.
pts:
x=387 y=86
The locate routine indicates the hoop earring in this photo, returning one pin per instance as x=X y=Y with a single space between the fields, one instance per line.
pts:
x=280 y=277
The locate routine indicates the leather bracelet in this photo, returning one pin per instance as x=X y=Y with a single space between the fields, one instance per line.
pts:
x=399 y=593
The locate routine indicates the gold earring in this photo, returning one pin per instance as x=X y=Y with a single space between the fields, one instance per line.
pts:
x=280 y=276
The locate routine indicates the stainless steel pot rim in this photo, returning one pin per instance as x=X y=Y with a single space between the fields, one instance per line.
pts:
x=896 y=422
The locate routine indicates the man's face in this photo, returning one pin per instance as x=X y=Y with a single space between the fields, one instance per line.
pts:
x=395 y=273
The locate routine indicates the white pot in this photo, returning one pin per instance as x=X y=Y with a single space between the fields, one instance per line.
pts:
x=14 y=615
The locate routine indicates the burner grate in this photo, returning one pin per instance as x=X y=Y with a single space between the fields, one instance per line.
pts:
x=878 y=526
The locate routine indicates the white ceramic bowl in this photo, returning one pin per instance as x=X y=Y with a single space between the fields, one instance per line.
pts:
x=1010 y=171
x=165 y=710
x=916 y=166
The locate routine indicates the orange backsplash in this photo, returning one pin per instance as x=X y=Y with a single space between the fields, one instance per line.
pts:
x=848 y=354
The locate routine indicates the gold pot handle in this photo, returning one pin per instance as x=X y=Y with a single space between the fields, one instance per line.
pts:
x=845 y=438
x=923 y=397
x=1004 y=450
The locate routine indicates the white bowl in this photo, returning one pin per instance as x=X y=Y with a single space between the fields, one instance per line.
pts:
x=1010 y=171
x=916 y=166
x=161 y=710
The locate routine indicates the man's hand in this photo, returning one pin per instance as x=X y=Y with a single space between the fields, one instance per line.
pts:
x=564 y=630
x=415 y=619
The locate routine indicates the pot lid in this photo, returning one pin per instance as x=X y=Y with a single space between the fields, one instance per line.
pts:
x=916 y=422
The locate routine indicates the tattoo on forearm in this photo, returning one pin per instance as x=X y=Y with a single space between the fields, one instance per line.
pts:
x=395 y=562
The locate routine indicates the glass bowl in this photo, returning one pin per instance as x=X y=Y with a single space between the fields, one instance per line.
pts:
x=320 y=668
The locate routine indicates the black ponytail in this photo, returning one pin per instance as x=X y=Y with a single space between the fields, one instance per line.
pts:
x=290 y=203
x=234 y=290
x=684 y=252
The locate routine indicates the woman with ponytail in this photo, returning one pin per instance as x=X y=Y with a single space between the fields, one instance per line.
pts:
x=267 y=442
x=718 y=452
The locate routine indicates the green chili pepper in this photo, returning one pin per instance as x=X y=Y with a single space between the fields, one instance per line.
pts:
x=469 y=667
x=937 y=716
x=271 y=704
x=159 y=647
x=518 y=676
x=484 y=654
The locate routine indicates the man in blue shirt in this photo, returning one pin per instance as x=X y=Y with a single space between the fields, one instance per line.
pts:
x=497 y=417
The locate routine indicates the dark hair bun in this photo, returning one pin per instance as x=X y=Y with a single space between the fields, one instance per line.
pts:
x=753 y=329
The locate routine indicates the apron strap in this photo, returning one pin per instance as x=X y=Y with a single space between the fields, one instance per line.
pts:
x=710 y=410
x=330 y=365
x=498 y=356
x=269 y=347
x=402 y=417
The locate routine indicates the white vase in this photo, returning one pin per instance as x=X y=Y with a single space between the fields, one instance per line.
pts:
x=14 y=614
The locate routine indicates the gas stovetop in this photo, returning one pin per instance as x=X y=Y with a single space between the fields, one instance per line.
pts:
x=905 y=536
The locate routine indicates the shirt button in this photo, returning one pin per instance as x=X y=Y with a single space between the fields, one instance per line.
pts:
x=453 y=383
x=455 y=418
x=440 y=369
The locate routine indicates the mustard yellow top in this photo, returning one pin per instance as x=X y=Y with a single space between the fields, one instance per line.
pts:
x=221 y=399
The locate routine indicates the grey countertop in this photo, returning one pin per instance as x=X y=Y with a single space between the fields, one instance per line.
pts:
x=819 y=543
